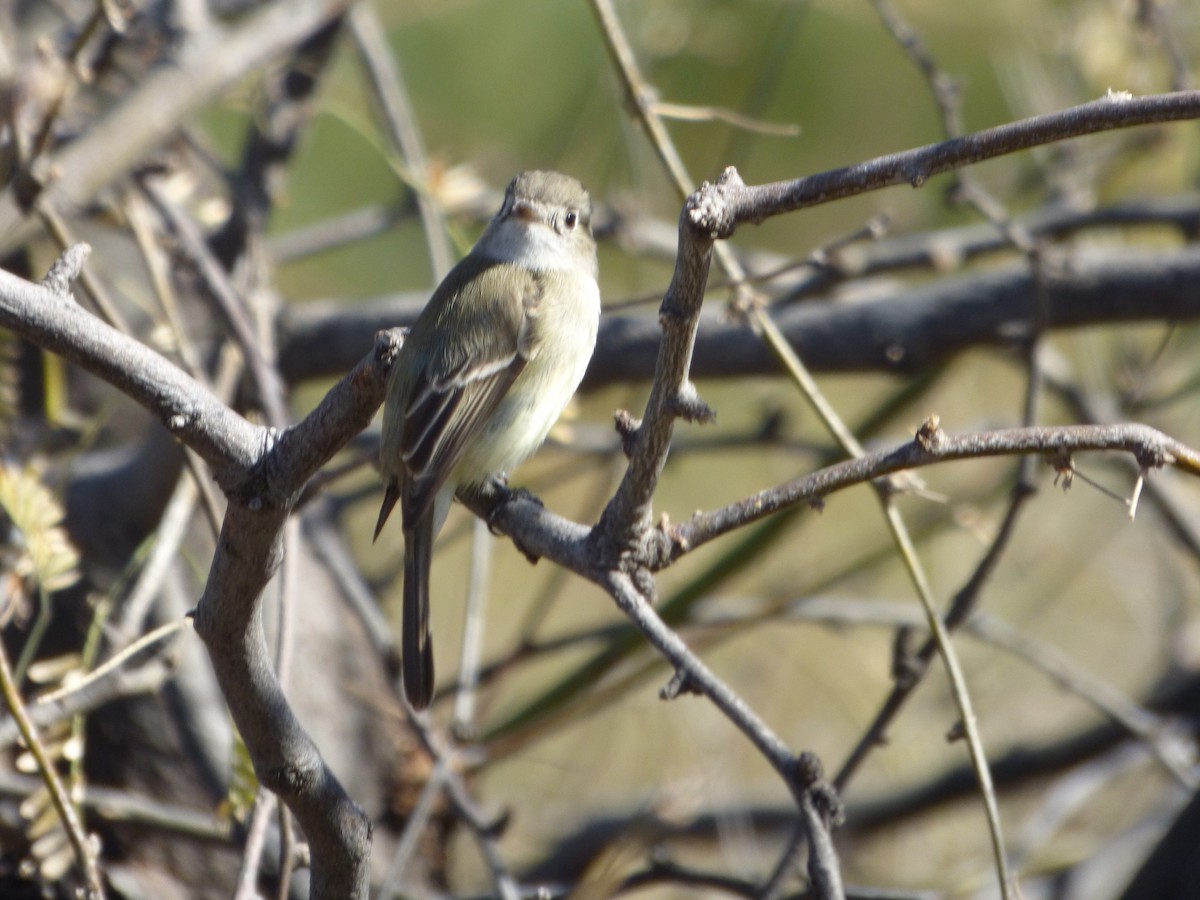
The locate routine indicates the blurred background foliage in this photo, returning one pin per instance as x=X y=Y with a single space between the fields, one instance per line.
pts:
x=505 y=85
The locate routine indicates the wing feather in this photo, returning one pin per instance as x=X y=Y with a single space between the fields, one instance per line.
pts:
x=463 y=384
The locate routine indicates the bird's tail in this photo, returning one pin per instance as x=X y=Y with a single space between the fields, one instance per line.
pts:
x=390 y=496
x=417 y=649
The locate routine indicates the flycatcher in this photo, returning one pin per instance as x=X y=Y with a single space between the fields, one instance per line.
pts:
x=483 y=375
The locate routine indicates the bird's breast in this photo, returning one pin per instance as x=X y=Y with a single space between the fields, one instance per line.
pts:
x=564 y=326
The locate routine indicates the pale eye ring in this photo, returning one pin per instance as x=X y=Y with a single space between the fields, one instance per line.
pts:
x=571 y=219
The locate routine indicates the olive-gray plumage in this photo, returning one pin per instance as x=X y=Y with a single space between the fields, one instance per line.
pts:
x=483 y=375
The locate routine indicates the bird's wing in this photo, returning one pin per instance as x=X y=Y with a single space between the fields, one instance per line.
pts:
x=464 y=382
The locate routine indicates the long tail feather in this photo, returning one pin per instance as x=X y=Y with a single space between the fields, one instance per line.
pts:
x=416 y=647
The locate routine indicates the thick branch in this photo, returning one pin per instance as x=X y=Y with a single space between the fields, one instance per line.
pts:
x=229 y=619
x=905 y=330
x=628 y=513
x=263 y=473
x=55 y=322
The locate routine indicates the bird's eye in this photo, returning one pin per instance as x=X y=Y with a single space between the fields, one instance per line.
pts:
x=571 y=219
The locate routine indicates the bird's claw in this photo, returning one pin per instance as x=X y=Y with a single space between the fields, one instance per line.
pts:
x=503 y=496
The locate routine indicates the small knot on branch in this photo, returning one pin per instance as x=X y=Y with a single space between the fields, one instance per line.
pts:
x=746 y=302
x=66 y=269
x=662 y=542
x=495 y=827
x=930 y=435
x=807 y=777
x=30 y=181
x=681 y=683
x=1064 y=468
x=1152 y=457
x=906 y=666
x=688 y=405
x=709 y=209
x=806 y=771
x=627 y=425
x=388 y=343
x=828 y=804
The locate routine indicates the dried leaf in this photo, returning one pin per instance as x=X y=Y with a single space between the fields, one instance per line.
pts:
x=243 y=786
x=47 y=553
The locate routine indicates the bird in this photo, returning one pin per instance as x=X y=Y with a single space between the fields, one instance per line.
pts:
x=483 y=374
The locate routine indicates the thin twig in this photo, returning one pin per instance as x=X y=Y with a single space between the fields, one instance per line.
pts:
x=1144 y=724
x=176 y=521
x=673 y=396
x=414 y=825
x=288 y=853
x=686 y=112
x=93 y=693
x=465 y=695
x=1148 y=445
x=1155 y=16
x=229 y=303
x=117 y=660
x=916 y=167
x=962 y=697
x=112 y=805
x=105 y=307
x=155 y=108
x=908 y=554
x=388 y=84
x=947 y=94
x=483 y=828
x=256 y=839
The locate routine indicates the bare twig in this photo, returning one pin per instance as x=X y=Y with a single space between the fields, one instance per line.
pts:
x=398 y=115
x=256 y=839
x=176 y=520
x=1150 y=447
x=90 y=693
x=685 y=112
x=916 y=167
x=1156 y=16
x=228 y=301
x=110 y=665
x=406 y=847
x=122 y=806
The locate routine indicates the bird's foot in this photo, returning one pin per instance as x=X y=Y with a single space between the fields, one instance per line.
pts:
x=503 y=495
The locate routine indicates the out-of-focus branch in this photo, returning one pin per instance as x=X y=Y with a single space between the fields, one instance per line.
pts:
x=210 y=63
x=388 y=84
x=904 y=329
